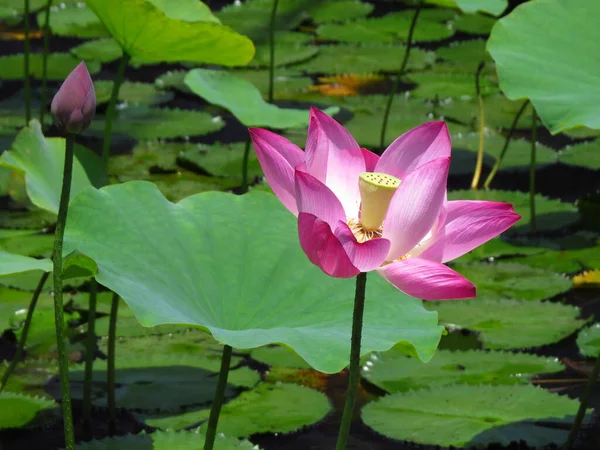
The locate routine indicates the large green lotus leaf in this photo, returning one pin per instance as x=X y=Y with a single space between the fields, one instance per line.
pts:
x=557 y=38
x=104 y=50
x=434 y=85
x=22 y=411
x=60 y=65
x=517 y=157
x=73 y=20
x=588 y=341
x=586 y=154
x=268 y=408
x=550 y=214
x=245 y=280
x=11 y=263
x=243 y=99
x=394 y=371
x=474 y=416
x=513 y=280
x=42 y=160
x=145 y=32
x=188 y=10
x=495 y=7
x=133 y=93
x=506 y=323
x=153 y=123
x=339 y=59
x=169 y=440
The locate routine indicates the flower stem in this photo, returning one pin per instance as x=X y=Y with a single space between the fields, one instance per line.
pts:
x=26 y=62
x=44 y=92
x=90 y=351
x=112 y=104
x=21 y=347
x=215 y=409
x=498 y=163
x=388 y=107
x=354 y=378
x=110 y=371
x=532 y=171
x=479 y=163
x=272 y=49
x=57 y=257
x=583 y=405
x=245 y=167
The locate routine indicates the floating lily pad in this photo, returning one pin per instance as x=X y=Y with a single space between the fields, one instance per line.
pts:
x=562 y=87
x=154 y=123
x=394 y=371
x=22 y=411
x=441 y=85
x=514 y=280
x=583 y=155
x=338 y=59
x=517 y=157
x=103 y=50
x=550 y=214
x=74 y=20
x=222 y=160
x=258 y=299
x=466 y=416
x=277 y=355
x=588 y=341
x=132 y=93
x=144 y=31
x=42 y=160
x=506 y=323
x=160 y=440
x=60 y=65
x=244 y=100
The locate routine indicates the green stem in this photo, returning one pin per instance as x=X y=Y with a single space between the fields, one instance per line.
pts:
x=479 y=163
x=57 y=257
x=498 y=163
x=215 y=409
x=110 y=371
x=583 y=405
x=26 y=64
x=43 y=94
x=532 y=171
x=90 y=352
x=245 y=166
x=25 y=332
x=354 y=378
x=388 y=107
x=112 y=104
x=272 y=49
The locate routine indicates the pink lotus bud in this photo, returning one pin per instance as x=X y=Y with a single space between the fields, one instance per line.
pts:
x=74 y=104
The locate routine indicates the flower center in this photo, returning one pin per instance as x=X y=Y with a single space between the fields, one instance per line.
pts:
x=376 y=191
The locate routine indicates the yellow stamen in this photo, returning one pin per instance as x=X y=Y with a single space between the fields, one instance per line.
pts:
x=376 y=191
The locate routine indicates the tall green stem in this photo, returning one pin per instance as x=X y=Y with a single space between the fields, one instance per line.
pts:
x=388 y=107
x=245 y=166
x=26 y=63
x=44 y=94
x=354 y=377
x=25 y=332
x=498 y=163
x=112 y=104
x=112 y=334
x=532 y=171
x=90 y=351
x=272 y=49
x=583 y=405
x=215 y=409
x=57 y=257
x=479 y=163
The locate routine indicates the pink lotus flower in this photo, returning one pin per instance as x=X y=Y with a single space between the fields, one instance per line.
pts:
x=359 y=212
x=74 y=105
